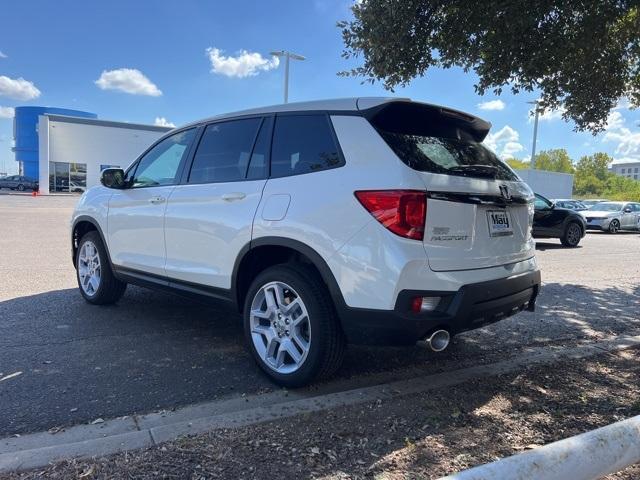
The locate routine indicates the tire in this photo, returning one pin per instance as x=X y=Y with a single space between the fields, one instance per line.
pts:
x=301 y=287
x=614 y=226
x=572 y=235
x=21 y=188
x=106 y=288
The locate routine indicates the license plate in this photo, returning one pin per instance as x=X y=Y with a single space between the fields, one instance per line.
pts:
x=499 y=223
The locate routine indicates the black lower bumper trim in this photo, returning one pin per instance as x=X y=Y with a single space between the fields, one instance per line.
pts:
x=471 y=307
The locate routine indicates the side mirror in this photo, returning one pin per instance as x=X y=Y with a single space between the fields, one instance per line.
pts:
x=627 y=210
x=112 y=178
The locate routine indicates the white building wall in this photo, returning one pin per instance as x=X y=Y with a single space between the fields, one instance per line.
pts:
x=548 y=184
x=72 y=141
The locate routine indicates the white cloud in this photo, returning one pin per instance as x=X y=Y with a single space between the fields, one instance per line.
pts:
x=547 y=115
x=6 y=112
x=615 y=121
x=623 y=104
x=628 y=142
x=505 y=142
x=163 y=122
x=2 y=55
x=18 y=88
x=245 y=64
x=128 y=80
x=492 y=105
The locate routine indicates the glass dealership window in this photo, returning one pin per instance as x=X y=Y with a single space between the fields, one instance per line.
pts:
x=67 y=177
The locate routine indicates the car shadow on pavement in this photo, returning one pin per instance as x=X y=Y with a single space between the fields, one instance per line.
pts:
x=155 y=351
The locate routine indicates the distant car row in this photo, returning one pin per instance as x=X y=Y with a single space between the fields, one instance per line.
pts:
x=569 y=219
x=18 y=182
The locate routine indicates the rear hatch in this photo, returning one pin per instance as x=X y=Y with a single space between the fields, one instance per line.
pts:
x=478 y=211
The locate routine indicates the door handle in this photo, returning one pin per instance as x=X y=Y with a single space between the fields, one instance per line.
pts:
x=155 y=200
x=230 y=197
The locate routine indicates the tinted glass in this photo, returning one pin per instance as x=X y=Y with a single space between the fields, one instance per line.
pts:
x=161 y=164
x=223 y=152
x=259 y=164
x=607 y=207
x=541 y=203
x=448 y=156
x=303 y=144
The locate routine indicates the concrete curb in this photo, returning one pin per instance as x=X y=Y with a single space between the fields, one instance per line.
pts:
x=128 y=433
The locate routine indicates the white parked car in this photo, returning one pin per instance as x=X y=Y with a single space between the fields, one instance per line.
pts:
x=374 y=221
x=613 y=216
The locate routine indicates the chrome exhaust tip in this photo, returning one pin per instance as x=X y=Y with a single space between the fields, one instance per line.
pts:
x=438 y=340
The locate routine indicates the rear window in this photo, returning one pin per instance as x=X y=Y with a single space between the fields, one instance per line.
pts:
x=448 y=156
x=436 y=139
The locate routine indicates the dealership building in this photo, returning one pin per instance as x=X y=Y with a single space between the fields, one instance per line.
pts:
x=67 y=149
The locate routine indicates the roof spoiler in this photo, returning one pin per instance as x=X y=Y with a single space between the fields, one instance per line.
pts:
x=405 y=116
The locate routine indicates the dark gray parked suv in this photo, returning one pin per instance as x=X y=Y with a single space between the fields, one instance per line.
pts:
x=18 y=182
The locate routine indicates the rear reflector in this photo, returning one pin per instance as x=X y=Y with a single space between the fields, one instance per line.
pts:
x=403 y=212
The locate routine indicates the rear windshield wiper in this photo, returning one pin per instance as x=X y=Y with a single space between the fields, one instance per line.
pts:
x=486 y=171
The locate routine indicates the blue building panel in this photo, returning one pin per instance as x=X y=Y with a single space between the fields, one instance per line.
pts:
x=25 y=134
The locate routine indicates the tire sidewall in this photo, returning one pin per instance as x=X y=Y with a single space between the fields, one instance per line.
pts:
x=302 y=286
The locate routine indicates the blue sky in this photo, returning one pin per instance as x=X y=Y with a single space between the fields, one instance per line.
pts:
x=145 y=61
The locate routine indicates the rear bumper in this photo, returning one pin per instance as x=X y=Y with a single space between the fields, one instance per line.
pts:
x=472 y=306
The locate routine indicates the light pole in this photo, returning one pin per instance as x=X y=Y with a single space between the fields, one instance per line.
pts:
x=532 y=163
x=287 y=55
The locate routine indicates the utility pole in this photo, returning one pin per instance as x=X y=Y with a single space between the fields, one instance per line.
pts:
x=287 y=55
x=532 y=163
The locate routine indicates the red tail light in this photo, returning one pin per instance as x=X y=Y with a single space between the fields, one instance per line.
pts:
x=403 y=212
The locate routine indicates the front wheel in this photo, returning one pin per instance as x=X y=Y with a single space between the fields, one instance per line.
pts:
x=96 y=281
x=291 y=326
x=21 y=188
x=614 y=226
x=572 y=235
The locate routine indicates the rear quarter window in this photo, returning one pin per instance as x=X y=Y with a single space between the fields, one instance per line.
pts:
x=303 y=144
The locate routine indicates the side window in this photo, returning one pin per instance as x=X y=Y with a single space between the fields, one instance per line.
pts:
x=541 y=203
x=161 y=164
x=224 y=150
x=303 y=144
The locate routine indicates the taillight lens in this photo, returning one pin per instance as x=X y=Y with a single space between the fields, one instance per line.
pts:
x=403 y=212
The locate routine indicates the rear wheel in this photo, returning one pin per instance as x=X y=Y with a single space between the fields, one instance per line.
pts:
x=96 y=281
x=614 y=226
x=572 y=235
x=21 y=188
x=291 y=326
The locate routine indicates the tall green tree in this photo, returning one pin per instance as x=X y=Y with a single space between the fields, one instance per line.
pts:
x=517 y=164
x=591 y=175
x=583 y=55
x=556 y=160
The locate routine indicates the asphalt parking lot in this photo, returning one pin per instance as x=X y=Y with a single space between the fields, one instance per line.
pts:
x=71 y=363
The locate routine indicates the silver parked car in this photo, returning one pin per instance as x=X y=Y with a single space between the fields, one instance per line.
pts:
x=613 y=216
x=569 y=203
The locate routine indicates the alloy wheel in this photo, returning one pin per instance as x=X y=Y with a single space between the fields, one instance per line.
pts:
x=573 y=234
x=614 y=226
x=280 y=327
x=89 y=268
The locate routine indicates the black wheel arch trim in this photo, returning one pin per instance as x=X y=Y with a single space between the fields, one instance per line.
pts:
x=94 y=222
x=314 y=257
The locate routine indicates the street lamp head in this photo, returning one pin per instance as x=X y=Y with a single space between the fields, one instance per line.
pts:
x=284 y=53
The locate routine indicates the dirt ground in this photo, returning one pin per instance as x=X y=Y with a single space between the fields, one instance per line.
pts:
x=421 y=436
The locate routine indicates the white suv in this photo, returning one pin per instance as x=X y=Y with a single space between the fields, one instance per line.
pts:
x=377 y=221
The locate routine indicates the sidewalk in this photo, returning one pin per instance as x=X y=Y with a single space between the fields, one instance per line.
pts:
x=416 y=436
